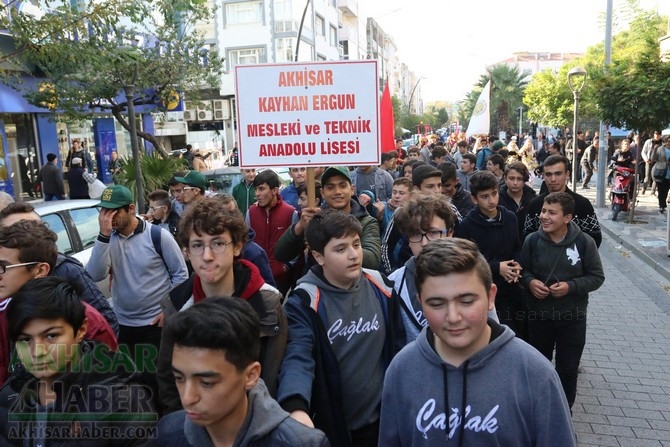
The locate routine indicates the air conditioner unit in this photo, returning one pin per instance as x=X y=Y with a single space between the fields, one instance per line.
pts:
x=203 y=105
x=204 y=115
x=190 y=115
x=221 y=109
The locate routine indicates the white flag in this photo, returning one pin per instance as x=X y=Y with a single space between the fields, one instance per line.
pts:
x=480 y=121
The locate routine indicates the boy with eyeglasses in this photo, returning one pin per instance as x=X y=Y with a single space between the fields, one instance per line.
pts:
x=160 y=212
x=494 y=229
x=422 y=219
x=213 y=239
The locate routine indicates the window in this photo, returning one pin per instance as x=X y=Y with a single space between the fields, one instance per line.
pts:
x=246 y=56
x=86 y=221
x=283 y=18
x=285 y=50
x=320 y=26
x=56 y=224
x=333 y=36
x=244 y=13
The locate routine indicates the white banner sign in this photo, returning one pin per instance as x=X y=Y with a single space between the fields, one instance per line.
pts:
x=308 y=114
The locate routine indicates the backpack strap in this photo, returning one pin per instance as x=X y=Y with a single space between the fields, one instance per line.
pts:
x=378 y=281
x=156 y=241
x=314 y=294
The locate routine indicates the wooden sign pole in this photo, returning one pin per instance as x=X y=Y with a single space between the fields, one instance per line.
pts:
x=311 y=190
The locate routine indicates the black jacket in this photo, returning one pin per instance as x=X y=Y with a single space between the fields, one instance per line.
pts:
x=498 y=240
x=519 y=209
x=585 y=217
x=78 y=185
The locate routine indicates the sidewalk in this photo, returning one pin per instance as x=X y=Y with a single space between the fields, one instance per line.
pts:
x=646 y=239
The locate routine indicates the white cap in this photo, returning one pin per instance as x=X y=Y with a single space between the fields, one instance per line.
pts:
x=514 y=138
x=76 y=161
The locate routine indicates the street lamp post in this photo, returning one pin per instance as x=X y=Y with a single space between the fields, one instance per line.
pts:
x=576 y=81
x=411 y=95
x=520 y=109
x=130 y=96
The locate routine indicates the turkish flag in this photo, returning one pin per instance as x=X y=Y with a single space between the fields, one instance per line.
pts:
x=387 y=124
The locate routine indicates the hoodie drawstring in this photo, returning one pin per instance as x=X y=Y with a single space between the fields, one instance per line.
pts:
x=464 y=398
x=446 y=400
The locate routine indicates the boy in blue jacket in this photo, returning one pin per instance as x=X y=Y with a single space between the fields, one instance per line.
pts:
x=467 y=380
x=344 y=329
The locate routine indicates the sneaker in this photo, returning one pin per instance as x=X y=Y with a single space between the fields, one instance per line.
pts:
x=661 y=211
x=585 y=187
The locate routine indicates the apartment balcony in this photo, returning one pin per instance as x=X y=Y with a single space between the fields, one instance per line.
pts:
x=348 y=7
x=348 y=33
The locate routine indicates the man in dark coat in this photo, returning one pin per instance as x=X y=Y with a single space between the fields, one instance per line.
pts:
x=52 y=180
x=78 y=184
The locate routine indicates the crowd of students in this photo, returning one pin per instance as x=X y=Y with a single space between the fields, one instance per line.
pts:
x=418 y=301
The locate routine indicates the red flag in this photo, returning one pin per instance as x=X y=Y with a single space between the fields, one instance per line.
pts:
x=387 y=124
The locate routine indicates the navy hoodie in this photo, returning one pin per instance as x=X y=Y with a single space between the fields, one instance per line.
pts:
x=498 y=240
x=506 y=394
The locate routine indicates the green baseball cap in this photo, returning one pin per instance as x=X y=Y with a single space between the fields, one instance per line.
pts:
x=332 y=171
x=115 y=197
x=194 y=178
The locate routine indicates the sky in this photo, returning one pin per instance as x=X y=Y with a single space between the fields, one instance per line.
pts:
x=451 y=42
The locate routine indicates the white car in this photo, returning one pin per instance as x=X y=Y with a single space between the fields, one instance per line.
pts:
x=76 y=224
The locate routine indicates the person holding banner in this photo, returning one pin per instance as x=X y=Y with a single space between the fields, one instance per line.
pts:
x=338 y=194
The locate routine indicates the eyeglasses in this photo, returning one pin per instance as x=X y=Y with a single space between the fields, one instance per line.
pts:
x=298 y=169
x=188 y=188
x=154 y=208
x=198 y=248
x=4 y=268
x=431 y=235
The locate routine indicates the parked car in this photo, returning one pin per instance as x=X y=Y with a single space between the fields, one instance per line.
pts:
x=225 y=179
x=76 y=224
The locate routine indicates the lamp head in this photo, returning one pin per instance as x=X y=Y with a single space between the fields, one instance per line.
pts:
x=576 y=79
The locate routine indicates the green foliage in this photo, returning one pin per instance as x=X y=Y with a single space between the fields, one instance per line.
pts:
x=87 y=54
x=629 y=95
x=633 y=94
x=507 y=87
x=399 y=110
x=156 y=172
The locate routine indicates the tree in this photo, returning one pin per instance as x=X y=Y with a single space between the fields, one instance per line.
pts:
x=87 y=53
x=399 y=111
x=550 y=101
x=507 y=87
x=633 y=94
x=548 y=95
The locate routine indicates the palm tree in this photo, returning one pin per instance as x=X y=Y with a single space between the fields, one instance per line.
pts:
x=507 y=87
